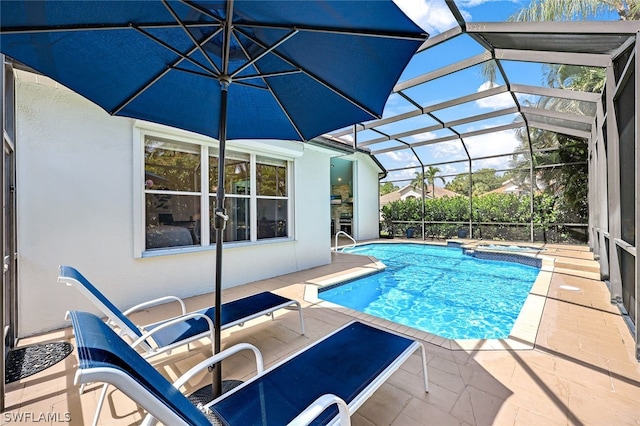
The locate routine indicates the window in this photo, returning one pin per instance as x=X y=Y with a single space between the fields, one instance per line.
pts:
x=180 y=187
x=237 y=187
x=272 y=206
x=172 y=193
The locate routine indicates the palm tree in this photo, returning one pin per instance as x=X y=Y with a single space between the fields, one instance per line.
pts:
x=564 y=10
x=430 y=176
x=418 y=180
x=568 y=180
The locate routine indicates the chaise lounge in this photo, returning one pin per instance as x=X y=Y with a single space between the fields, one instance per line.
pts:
x=168 y=334
x=323 y=383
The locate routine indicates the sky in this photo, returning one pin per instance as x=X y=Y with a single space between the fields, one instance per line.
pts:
x=435 y=17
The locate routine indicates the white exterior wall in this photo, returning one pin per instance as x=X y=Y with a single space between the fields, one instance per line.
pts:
x=75 y=204
x=367 y=204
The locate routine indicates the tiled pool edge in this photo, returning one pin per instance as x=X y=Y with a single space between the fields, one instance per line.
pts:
x=522 y=336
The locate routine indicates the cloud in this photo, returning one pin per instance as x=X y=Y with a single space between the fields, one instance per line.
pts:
x=448 y=149
x=422 y=137
x=503 y=100
x=402 y=175
x=499 y=143
x=406 y=158
x=433 y=16
x=450 y=169
x=467 y=4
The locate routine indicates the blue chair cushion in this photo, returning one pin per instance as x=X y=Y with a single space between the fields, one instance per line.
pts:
x=231 y=313
x=343 y=364
x=71 y=272
x=99 y=346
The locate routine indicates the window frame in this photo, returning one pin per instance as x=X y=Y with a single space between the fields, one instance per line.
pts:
x=143 y=130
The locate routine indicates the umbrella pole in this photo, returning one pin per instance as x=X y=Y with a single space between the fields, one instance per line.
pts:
x=220 y=221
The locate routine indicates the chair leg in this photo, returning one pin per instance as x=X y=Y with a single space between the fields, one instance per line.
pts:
x=424 y=368
x=103 y=396
x=301 y=318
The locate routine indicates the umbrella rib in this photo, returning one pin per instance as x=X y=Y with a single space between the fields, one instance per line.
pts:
x=156 y=78
x=93 y=27
x=202 y=10
x=316 y=78
x=285 y=112
x=226 y=40
x=191 y=37
x=235 y=81
x=268 y=87
x=177 y=52
x=329 y=30
x=263 y=54
x=253 y=86
x=270 y=74
x=150 y=83
x=238 y=81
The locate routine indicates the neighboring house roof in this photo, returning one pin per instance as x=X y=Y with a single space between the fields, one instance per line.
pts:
x=390 y=197
x=409 y=191
x=510 y=187
x=442 y=192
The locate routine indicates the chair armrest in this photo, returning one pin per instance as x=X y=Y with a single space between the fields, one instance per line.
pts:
x=157 y=301
x=149 y=420
x=219 y=357
x=318 y=406
x=176 y=320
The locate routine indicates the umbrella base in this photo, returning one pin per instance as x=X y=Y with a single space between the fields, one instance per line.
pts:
x=204 y=395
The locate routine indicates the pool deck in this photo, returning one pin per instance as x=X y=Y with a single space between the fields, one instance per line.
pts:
x=580 y=368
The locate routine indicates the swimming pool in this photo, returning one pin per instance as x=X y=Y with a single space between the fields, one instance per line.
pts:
x=439 y=290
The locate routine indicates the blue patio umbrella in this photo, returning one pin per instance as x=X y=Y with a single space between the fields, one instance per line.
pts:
x=288 y=70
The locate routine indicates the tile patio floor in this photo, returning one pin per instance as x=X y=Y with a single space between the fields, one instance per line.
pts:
x=582 y=370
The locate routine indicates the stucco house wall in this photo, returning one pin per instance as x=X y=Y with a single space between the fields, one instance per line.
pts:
x=76 y=205
x=368 y=200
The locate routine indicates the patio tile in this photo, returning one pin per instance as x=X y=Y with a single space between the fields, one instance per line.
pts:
x=452 y=382
x=385 y=405
x=419 y=412
x=476 y=407
x=530 y=417
x=596 y=406
x=581 y=371
x=358 y=419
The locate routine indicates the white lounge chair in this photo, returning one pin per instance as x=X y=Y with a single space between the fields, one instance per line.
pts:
x=324 y=383
x=165 y=335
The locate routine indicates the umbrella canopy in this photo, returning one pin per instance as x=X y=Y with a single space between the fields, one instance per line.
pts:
x=297 y=68
x=227 y=69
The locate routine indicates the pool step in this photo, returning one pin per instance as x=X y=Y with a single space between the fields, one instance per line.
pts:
x=578 y=264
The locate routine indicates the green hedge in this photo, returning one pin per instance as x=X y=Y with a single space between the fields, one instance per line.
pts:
x=499 y=210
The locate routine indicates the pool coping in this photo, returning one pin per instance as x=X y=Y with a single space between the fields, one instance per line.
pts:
x=522 y=336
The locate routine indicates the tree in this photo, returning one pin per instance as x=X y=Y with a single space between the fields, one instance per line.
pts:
x=484 y=180
x=569 y=179
x=564 y=10
x=387 y=187
x=430 y=176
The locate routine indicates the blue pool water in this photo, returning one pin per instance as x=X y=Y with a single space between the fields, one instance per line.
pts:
x=439 y=290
